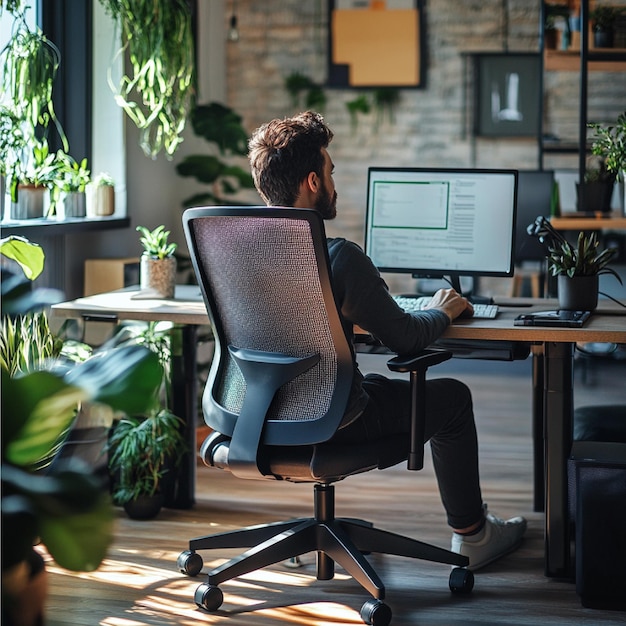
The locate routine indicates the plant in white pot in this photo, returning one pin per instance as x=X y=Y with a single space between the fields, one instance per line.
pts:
x=72 y=184
x=577 y=266
x=158 y=263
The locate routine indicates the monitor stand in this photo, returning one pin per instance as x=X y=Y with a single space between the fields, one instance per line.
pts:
x=454 y=280
x=455 y=283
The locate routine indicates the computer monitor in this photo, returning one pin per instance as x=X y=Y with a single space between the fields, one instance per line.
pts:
x=441 y=223
x=534 y=195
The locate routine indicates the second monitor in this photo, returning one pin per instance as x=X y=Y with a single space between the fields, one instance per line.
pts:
x=441 y=223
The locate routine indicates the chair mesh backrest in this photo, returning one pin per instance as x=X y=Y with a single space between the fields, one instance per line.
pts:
x=263 y=279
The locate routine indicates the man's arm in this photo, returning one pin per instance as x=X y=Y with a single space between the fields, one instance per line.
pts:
x=365 y=301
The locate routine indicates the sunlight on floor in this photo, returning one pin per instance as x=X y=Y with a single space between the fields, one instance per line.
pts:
x=164 y=592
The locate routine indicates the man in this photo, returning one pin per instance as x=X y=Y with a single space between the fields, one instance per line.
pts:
x=291 y=167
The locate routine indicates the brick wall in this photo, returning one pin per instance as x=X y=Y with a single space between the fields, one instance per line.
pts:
x=278 y=37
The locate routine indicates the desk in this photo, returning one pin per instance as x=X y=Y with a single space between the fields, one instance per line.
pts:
x=553 y=350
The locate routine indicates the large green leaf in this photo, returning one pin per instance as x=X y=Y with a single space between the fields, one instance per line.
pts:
x=125 y=378
x=79 y=542
x=206 y=168
x=30 y=256
x=36 y=409
x=221 y=125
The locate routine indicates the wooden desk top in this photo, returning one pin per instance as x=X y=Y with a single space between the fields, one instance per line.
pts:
x=187 y=306
x=607 y=324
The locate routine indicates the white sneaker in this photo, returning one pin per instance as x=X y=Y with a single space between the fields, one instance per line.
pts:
x=497 y=538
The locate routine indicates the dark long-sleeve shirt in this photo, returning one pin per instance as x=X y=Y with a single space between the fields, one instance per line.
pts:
x=364 y=300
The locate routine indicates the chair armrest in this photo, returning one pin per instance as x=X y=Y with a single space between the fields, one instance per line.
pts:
x=417 y=365
x=420 y=361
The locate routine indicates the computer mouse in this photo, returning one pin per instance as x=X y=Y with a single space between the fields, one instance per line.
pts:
x=467 y=313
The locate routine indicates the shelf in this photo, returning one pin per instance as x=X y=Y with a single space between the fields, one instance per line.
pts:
x=45 y=227
x=607 y=60
x=614 y=222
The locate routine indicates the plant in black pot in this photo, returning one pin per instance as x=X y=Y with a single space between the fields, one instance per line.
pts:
x=144 y=447
x=577 y=266
x=603 y=20
x=609 y=143
x=595 y=193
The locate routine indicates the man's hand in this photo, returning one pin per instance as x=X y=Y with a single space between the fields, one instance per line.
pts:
x=451 y=303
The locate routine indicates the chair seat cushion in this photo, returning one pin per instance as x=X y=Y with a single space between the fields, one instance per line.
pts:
x=600 y=423
x=325 y=462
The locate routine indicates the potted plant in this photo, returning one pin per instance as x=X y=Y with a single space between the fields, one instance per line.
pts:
x=30 y=63
x=603 y=19
x=577 y=266
x=101 y=196
x=157 y=270
x=144 y=448
x=59 y=505
x=596 y=190
x=72 y=184
x=32 y=180
x=609 y=143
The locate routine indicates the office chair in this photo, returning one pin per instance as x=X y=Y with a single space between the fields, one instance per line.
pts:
x=276 y=395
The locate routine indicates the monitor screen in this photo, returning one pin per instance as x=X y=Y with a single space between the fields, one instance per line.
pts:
x=436 y=223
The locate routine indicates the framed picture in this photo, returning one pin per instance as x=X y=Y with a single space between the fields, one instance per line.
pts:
x=374 y=43
x=506 y=91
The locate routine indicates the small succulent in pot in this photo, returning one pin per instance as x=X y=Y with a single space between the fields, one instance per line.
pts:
x=158 y=263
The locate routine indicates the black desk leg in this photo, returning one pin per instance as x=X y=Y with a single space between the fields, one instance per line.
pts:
x=538 y=429
x=558 y=385
x=180 y=485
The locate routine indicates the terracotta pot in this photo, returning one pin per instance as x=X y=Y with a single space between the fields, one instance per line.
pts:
x=579 y=293
x=158 y=275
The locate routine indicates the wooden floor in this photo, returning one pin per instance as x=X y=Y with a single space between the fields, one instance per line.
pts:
x=138 y=584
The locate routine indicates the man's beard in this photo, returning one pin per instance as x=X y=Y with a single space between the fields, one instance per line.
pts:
x=326 y=205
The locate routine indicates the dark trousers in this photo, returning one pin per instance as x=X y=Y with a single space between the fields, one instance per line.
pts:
x=450 y=428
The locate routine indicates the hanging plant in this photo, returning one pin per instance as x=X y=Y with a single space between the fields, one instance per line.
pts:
x=156 y=92
x=359 y=105
x=297 y=84
x=385 y=101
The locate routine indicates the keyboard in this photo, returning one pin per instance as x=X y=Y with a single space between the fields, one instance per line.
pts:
x=418 y=303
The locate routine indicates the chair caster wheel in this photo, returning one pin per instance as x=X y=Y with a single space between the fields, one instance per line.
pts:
x=189 y=563
x=376 y=613
x=208 y=597
x=461 y=580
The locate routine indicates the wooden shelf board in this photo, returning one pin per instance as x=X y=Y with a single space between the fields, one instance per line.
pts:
x=614 y=222
x=569 y=60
